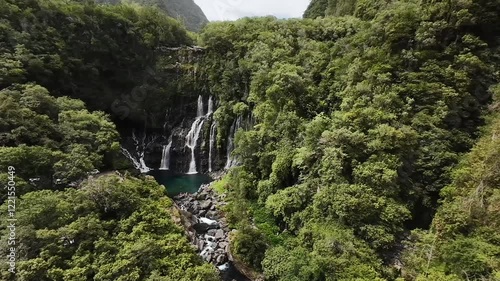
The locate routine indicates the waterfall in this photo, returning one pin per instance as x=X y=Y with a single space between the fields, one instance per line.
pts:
x=127 y=154
x=200 y=107
x=231 y=161
x=213 y=130
x=194 y=134
x=210 y=106
x=140 y=147
x=191 y=141
x=139 y=163
x=165 y=158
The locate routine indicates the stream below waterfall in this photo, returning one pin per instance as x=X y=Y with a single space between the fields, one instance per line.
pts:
x=230 y=273
x=198 y=203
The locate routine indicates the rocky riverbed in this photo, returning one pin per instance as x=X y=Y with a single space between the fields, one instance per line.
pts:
x=207 y=227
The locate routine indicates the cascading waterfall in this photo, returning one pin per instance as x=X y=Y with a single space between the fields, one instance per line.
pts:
x=213 y=131
x=232 y=161
x=200 y=107
x=191 y=141
x=210 y=106
x=194 y=134
x=138 y=162
x=140 y=147
x=165 y=159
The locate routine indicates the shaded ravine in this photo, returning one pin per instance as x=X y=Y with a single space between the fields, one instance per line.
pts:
x=207 y=229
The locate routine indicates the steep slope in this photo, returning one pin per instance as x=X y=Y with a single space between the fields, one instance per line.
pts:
x=465 y=238
x=360 y=8
x=354 y=124
x=186 y=11
x=113 y=226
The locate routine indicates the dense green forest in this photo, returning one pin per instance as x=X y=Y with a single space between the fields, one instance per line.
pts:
x=370 y=148
x=360 y=121
x=114 y=227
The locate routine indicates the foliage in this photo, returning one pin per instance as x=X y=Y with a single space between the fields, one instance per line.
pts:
x=107 y=56
x=54 y=53
x=185 y=11
x=52 y=141
x=249 y=246
x=463 y=242
x=357 y=119
x=112 y=228
x=355 y=123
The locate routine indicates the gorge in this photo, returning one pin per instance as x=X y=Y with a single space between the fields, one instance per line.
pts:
x=359 y=142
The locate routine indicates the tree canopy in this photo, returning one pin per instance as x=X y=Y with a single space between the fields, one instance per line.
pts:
x=357 y=119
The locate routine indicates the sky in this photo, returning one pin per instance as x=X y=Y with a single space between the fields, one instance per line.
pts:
x=217 y=10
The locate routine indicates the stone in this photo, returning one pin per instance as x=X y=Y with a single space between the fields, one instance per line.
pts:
x=213 y=215
x=205 y=204
x=212 y=245
x=221 y=259
x=201 y=244
x=201 y=196
x=202 y=213
x=219 y=234
x=223 y=245
x=211 y=232
x=201 y=228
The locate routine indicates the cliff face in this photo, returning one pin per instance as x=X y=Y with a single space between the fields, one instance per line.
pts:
x=185 y=11
x=178 y=127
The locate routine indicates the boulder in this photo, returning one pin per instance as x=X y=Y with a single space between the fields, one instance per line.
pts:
x=206 y=204
x=201 y=244
x=201 y=228
x=214 y=215
x=219 y=234
x=202 y=213
x=201 y=196
x=221 y=259
x=223 y=245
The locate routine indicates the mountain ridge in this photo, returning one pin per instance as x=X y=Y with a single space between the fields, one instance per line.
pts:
x=186 y=11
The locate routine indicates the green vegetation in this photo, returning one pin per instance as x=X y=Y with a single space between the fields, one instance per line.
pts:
x=70 y=226
x=104 y=55
x=366 y=9
x=186 y=11
x=52 y=141
x=111 y=228
x=370 y=149
x=463 y=239
x=359 y=122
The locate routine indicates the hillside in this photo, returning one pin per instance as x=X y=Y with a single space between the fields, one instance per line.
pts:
x=360 y=8
x=186 y=11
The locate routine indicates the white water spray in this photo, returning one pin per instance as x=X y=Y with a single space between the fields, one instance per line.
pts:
x=213 y=131
x=165 y=159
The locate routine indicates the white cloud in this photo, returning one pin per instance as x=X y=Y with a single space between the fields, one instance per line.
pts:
x=217 y=10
